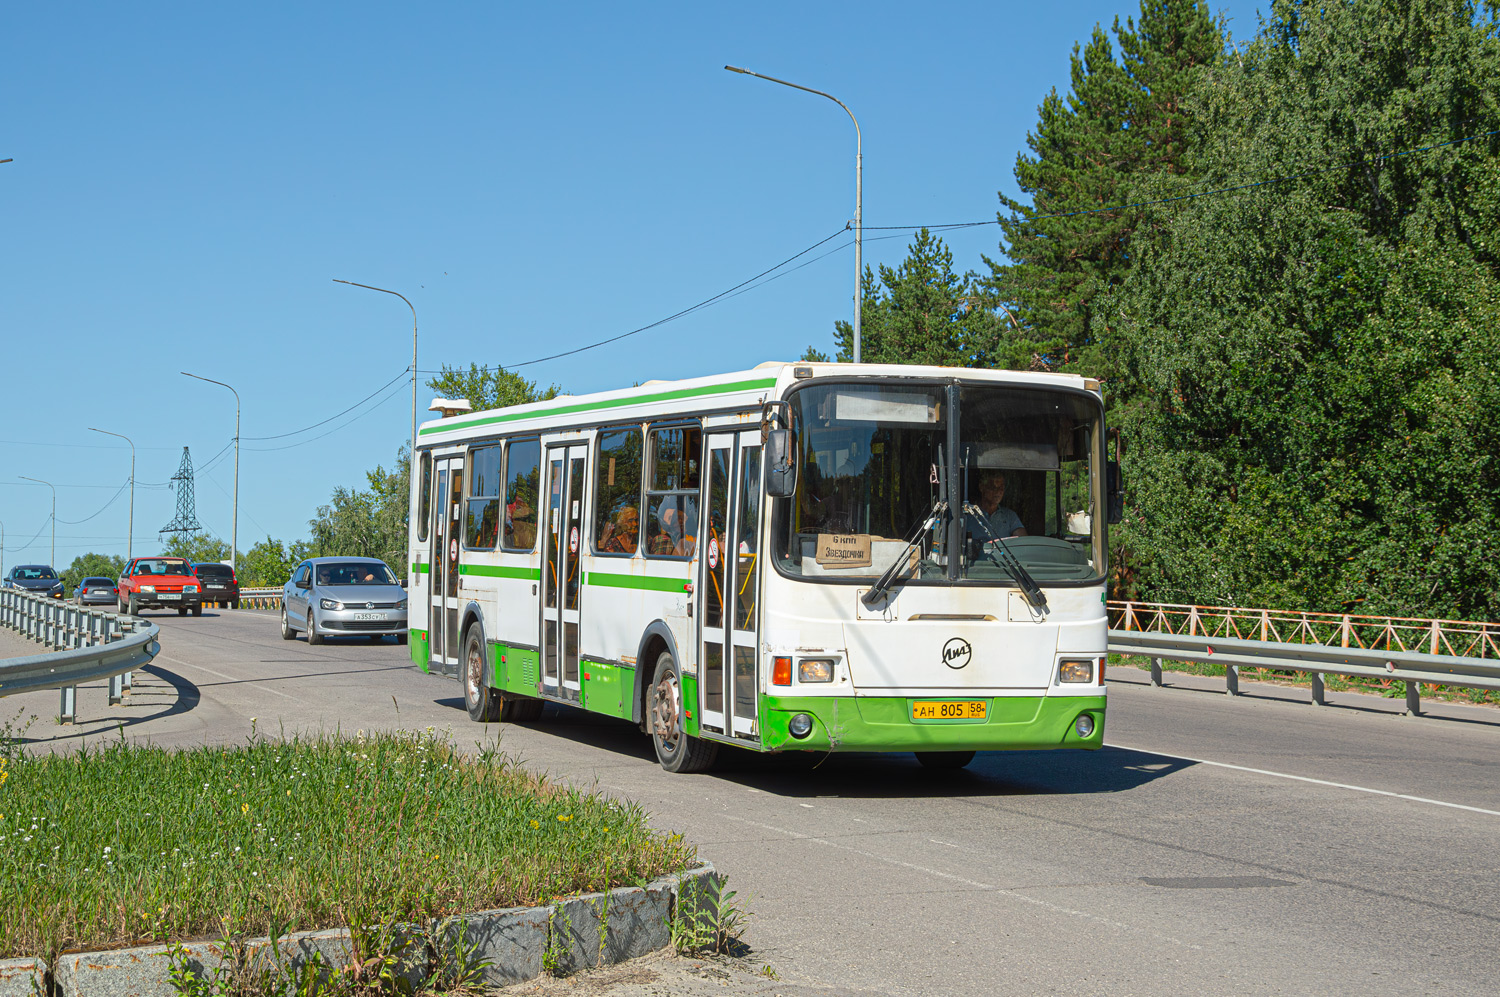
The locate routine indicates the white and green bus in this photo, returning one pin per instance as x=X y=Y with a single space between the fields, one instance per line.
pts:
x=933 y=576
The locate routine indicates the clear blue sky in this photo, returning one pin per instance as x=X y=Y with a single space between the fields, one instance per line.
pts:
x=190 y=178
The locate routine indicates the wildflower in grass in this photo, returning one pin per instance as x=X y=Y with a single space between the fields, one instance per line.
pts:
x=535 y=824
x=244 y=808
x=564 y=817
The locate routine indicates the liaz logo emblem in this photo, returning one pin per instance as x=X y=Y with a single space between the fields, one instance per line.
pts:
x=957 y=652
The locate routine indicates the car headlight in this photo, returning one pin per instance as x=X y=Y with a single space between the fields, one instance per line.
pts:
x=401 y=604
x=148 y=588
x=190 y=588
x=330 y=604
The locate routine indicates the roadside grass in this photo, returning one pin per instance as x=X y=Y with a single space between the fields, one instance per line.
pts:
x=1389 y=688
x=132 y=845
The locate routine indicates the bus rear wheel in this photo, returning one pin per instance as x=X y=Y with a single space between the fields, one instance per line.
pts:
x=675 y=749
x=945 y=759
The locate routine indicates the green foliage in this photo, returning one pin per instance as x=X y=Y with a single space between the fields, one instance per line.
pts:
x=91 y=565
x=921 y=312
x=135 y=843
x=488 y=388
x=1121 y=119
x=270 y=562
x=196 y=547
x=369 y=523
x=707 y=918
x=1310 y=398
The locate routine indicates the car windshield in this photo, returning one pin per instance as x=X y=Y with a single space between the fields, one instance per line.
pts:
x=96 y=581
x=162 y=566
x=34 y=574
x=353 y=573
x=883 y=477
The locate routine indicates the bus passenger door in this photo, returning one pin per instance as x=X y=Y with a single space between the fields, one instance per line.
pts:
x=562 y=545
x=729 y=544
x=442 y=636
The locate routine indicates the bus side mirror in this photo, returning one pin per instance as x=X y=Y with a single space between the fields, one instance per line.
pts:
x=1114 y=491
x=781 y=469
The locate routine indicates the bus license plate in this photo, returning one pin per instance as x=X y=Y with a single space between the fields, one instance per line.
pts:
x=371 y=616
x=949 y=709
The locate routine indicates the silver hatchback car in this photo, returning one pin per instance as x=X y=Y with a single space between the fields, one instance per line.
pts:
x=343 y=597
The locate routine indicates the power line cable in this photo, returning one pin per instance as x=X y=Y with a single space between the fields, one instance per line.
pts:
x=399 y=377
x=663 y=321
x=335 y=429
x=120 y=491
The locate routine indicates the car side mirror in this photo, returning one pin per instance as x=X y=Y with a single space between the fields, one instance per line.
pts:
x=781 y=467
x=1114 y=491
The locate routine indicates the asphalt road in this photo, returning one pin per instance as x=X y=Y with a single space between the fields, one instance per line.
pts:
x=1250 y=846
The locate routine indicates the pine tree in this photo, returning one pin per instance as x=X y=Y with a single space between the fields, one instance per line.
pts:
x=1122 y=121
x=921 y=312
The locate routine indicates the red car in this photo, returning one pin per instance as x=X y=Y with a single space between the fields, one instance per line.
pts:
x=160 y=583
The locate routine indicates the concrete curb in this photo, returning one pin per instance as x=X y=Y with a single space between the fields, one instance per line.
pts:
x=21 y=977
x=518 y=943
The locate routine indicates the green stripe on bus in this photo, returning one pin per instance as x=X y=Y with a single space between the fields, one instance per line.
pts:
x=499 y=571
x=635 y=582
x=419 y=569
x=660 y=396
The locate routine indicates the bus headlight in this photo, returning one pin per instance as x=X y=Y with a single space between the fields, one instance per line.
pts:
x=815 y=670
x=800 y=725
x=1075 y=670
x=1084 y=725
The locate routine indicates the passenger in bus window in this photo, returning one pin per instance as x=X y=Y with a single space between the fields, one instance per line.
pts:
x=1003 y=521
x=675 y=517
x=622 y=535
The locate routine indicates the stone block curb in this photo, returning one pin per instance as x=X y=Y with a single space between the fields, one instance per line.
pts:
x=519 y=943
x=21 y=977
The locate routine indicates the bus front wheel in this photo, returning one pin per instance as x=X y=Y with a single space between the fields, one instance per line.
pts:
x=675 y=749
x=485 y=705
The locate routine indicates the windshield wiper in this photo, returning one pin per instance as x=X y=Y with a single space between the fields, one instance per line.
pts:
x=877 y=591
x=1007 y=559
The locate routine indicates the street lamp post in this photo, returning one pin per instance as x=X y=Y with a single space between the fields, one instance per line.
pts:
x=413 y=308
x=858 y=185
x=234 y=526
x=130 y=537
x=53 y=559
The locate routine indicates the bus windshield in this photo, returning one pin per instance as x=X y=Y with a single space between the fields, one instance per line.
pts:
x=880 y=480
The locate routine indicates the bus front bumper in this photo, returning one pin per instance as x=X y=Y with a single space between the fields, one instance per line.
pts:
x=1011 y=723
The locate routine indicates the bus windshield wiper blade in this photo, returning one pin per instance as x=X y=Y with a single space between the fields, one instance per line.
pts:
x=1007 y=559
x=878 y=590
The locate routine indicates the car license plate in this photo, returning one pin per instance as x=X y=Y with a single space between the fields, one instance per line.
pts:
x=164 y=596
x=371 y=616
x=949 y=709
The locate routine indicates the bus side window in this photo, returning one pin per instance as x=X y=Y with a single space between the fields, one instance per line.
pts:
x=424 y=504
x=523 y=478
x=482 y=519
x=672 y=481
x=617 y=492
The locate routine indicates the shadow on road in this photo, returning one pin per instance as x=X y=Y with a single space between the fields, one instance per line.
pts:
x=186 y=697
x=877 y=776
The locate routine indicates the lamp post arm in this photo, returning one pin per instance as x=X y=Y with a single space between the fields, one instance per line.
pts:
x=130 y=536
x=859 y=170
x=371 y=287
x=234 y=526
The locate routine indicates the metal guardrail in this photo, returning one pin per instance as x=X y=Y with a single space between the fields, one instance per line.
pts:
x=268 y=597
x=1213 y=635
x=89 y=644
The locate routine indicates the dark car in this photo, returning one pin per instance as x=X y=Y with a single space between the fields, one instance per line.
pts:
x=219 y=583
x=95 y=590
x=38 y=579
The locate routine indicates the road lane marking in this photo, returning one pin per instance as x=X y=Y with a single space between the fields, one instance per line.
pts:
x=227 y=678
x=1309 y=779
x=985 y=887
